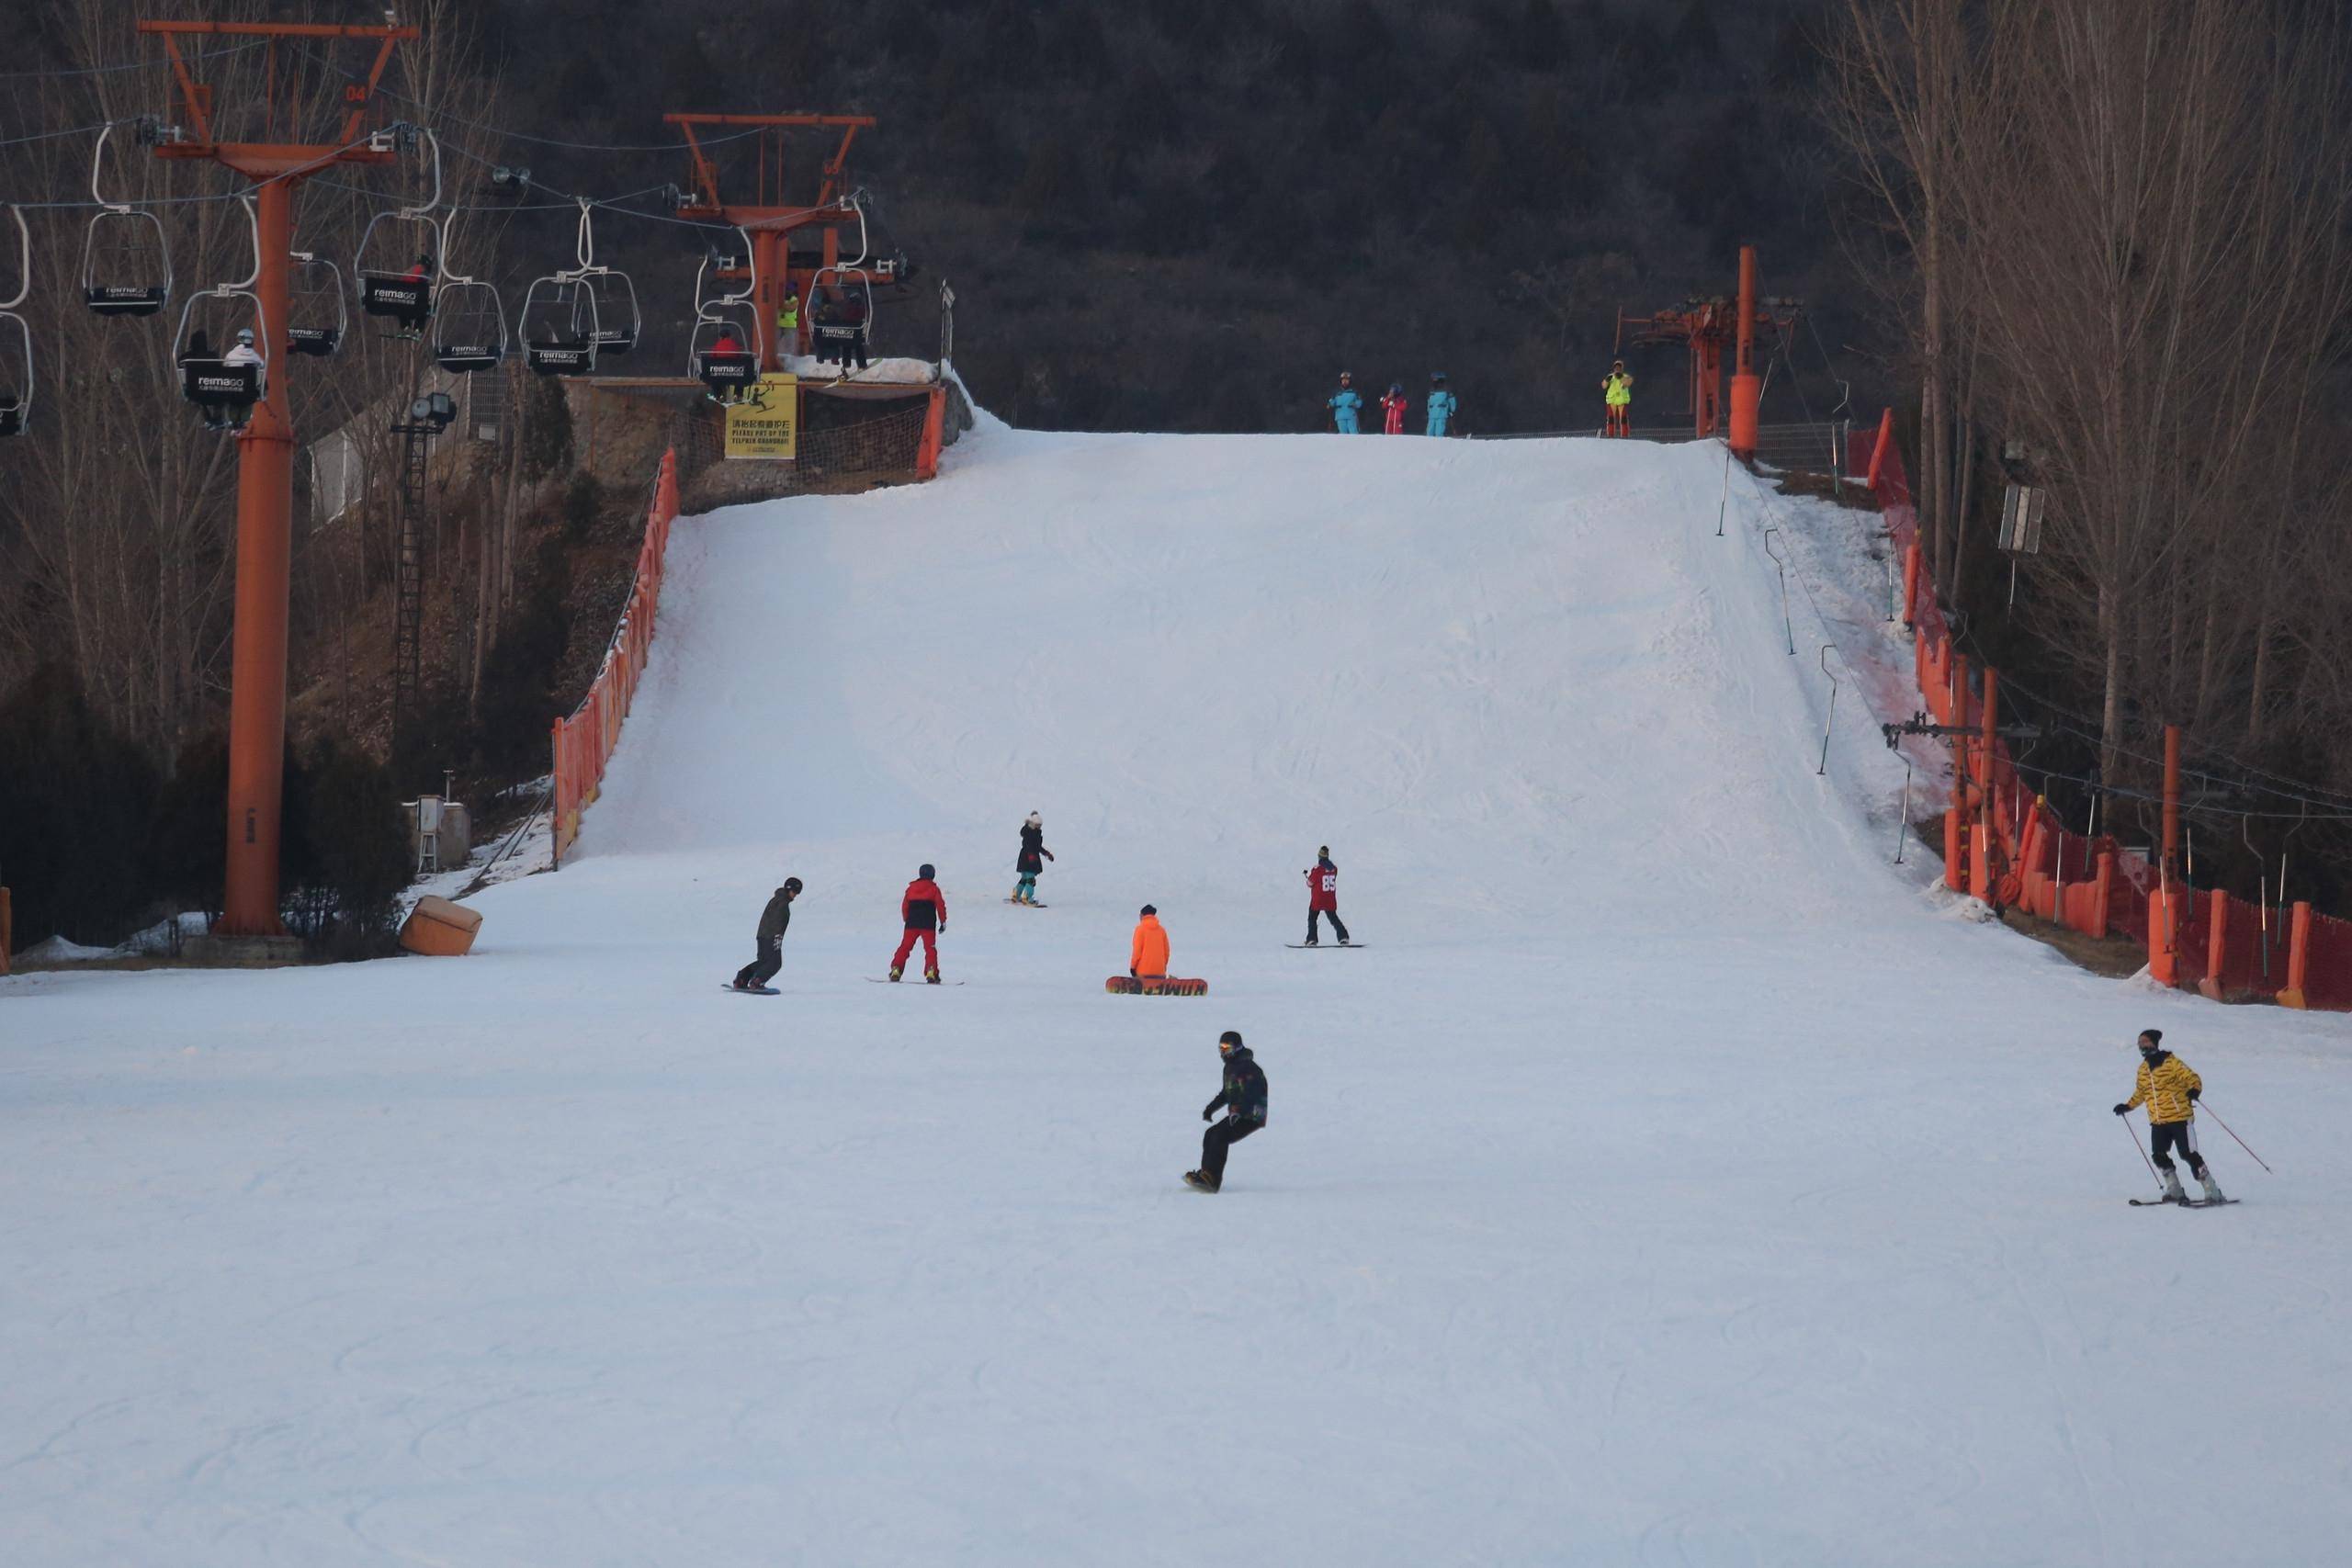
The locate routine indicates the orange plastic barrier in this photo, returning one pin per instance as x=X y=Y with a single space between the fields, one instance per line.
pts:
x=438 y=929
x=585 y=741
x=2004 y=843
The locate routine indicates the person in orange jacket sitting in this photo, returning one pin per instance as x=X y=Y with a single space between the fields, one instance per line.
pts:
x=1148 y=955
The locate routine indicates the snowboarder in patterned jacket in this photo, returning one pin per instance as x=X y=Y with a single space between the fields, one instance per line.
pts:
x=2169 y=1087
x=1343 y=405
x=1031 y=860
x=924 y=910
x=1243 y=1100
x=774 y=921
x=1323 y=898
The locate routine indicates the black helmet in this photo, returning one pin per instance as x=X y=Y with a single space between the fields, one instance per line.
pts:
x=1436 y=376
x=1229 y=1041
x=927 y=871
x=1151 y=908
x=792 y=884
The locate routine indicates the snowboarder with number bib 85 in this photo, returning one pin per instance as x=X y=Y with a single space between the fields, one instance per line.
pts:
x=1323 y=898
x=774 y=921
x=2169 y=1087
x=1243 y=1100
x=924 y=910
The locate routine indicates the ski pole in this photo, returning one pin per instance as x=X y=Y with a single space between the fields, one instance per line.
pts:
x=2233 y=1137
x=2143 y=1152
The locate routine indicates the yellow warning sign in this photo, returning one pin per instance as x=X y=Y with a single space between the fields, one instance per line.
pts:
x=766 y=426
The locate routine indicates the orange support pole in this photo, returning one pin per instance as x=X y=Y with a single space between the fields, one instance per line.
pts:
x=1980 y=848
x=2217 y=903
x=2164 y=906
x=1910 y=582
x=2099 y=896
x=2299 y=957
x=257 y=657
x=1881 y=448
x=1746 y=387
x=768 y=296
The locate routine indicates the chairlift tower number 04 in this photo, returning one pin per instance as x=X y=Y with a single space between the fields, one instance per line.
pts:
x=266 y=449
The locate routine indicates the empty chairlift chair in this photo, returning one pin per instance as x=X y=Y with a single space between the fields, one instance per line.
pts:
x=318 y=316
x=126 y=261
x=560 y=328
x=469 y=327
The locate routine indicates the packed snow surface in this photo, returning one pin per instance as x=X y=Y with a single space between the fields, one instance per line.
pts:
x=1670 y=1180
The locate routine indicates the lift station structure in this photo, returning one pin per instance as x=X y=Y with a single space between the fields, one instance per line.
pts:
x=1705 y=327
x=771 y=218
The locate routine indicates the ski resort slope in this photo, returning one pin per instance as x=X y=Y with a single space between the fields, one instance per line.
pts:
x=1670 y=1180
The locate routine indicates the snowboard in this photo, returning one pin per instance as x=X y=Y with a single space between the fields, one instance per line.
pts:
x=1169 y=985
x=750 y=990
x=885 y=980
x=1026 y=905
x=1349 y=944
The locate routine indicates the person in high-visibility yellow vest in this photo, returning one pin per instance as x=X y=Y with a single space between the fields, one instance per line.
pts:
x=787 y=322
x=1617 y=391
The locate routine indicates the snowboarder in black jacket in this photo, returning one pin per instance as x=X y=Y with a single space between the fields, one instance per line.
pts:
x=773 y=920
x=1243 y=1100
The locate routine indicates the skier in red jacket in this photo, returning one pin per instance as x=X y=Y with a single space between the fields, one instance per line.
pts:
x=924 y=909
x=1393 y=407
x=1323 y=897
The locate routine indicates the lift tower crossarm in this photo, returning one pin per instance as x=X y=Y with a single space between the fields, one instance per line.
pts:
x=254 y=161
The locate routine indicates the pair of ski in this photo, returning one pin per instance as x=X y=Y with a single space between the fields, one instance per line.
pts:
x=2182 y=1203
x=1318 y=945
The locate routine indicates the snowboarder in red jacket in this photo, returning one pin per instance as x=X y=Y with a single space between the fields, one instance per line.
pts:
x=924 y=910
x=1323 y=897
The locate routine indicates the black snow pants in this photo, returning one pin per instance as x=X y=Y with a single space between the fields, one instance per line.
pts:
x=1221 y=1136
x=2166 y=1136
x=1315 y=915
x=760 y=970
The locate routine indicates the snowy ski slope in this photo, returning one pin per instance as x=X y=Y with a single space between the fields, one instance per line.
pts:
x=1671 y=1181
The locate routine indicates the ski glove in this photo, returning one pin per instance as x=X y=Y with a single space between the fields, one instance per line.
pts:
x=1209 y=1114
x=2124 y=1110
x=2195 y=1092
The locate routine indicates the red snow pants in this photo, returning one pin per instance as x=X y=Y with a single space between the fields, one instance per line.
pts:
x=907 y=945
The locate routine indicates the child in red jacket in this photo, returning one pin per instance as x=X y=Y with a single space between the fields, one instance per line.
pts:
x=924 y=910
x=1392 y=406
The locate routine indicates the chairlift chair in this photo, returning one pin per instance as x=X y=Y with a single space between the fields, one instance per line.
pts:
x=840 y=313
x=208 y=380
x=16 y=343
x=724 y=372
x=126 y=259
x=390 y=285
x=559 y=326
x=317 y=314
x=469 y=327
x=618 y=320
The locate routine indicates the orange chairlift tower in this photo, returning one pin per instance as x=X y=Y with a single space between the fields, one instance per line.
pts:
x=771 y=218
x=1705 y=326
x=266 y=449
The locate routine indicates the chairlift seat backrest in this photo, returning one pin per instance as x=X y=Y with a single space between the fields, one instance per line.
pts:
x=395 y=294
x=724 y=370
x=552 y=357
x=470 y=328
x=215 y=383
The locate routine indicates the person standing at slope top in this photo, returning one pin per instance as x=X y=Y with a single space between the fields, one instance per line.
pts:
x=1243 y=1100
x=774 y=921
x=1343 y=405
x=1617 y=392
x=1392 y=404
x=924 y=910
x=1323 y=897
x=1441 y=403
x=1031 y=860
x=1148 y=953
x=2169 y=1088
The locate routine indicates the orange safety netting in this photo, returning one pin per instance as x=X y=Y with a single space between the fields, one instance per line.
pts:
x=2089 y=885
x=585 y=741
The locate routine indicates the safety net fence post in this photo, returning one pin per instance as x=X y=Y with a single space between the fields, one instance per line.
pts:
x=585 y=739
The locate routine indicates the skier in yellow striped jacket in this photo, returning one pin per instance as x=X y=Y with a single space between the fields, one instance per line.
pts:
x=2168 y=1086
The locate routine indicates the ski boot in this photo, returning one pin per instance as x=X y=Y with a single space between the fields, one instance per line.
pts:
x=2213 y=1188
x=2173 y=1194
x=895 y=972
x=931 y=978
x=1199 y=1182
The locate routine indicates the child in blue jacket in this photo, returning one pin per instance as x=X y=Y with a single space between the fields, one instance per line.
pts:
x=1442 y=403
x=1344 y=406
